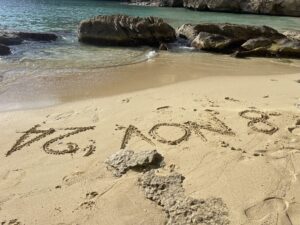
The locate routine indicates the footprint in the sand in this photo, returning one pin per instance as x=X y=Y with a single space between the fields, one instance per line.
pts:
x=73 y=178
x=90 y=201
x=11 y=178
x=269 y=210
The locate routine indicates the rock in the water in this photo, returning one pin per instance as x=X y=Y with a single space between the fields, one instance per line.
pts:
x=271 y=7
x=7 y=38
x=256 y=43
x=16 y=38
x=124 y=160
x=242 y=40
x=167 y=191
x=36 y=36
x=4 y=50
x=120 y=30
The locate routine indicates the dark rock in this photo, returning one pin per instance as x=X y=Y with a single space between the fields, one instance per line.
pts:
x=256 y=43
x=34 y=36
x=10 y=39
x=16 y=38
x=168 y=192
x=163 y=47
x=4 y=50
x=124 y=160
x=271 y=7
x=120 y=30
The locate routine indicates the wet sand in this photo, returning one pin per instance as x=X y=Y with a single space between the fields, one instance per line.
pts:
x=167 y=68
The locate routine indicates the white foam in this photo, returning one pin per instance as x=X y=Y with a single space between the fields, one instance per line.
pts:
x=151 y=54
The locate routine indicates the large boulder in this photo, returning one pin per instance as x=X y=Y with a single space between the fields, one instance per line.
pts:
x=242 y=40
x=4 y=50
x=238 y=32
x=280 y=48
x=271 y=7
x=121 y=30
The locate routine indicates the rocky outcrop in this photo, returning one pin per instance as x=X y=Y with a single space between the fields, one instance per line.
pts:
x=121 y=30
x=271 y=7
x=4 y=50
x=242 y=40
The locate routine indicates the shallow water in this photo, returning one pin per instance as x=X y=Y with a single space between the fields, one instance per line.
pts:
x=68 y=57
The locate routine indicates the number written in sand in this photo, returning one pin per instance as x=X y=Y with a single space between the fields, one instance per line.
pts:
x=25 y=141
x=186 y=129
x=258 y=121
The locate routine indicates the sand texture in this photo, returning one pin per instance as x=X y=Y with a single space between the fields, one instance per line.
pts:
x=230 y=149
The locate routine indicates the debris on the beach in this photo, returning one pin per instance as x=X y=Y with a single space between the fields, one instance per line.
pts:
x=124 y=160
x=167 y=191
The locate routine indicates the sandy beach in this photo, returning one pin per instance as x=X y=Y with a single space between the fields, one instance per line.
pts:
x=233 y=137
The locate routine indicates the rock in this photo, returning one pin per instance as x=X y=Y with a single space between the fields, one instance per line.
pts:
x=195 y=4
x=213 y=42
x=271 y=7
x=124 y=160
x=238 y=32
x=292 y=34
x=223 y=5
x=256 y=43
x=7 y=38
x=168 y=192
x=16 y=38
x=36 y=36
x=120 y=30
x=281 y=48
x=163 y=47
x=4 y=50
x=243 y=40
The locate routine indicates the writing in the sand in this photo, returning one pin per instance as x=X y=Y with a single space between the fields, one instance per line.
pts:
x=256 y=120
x=38 y=134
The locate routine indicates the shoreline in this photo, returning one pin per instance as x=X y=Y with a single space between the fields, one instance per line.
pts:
x=165 y=69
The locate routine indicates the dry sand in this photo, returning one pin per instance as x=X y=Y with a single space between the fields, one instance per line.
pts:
x=238 y=139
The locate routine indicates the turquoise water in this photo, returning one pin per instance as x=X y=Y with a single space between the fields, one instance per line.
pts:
x=63 y=16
